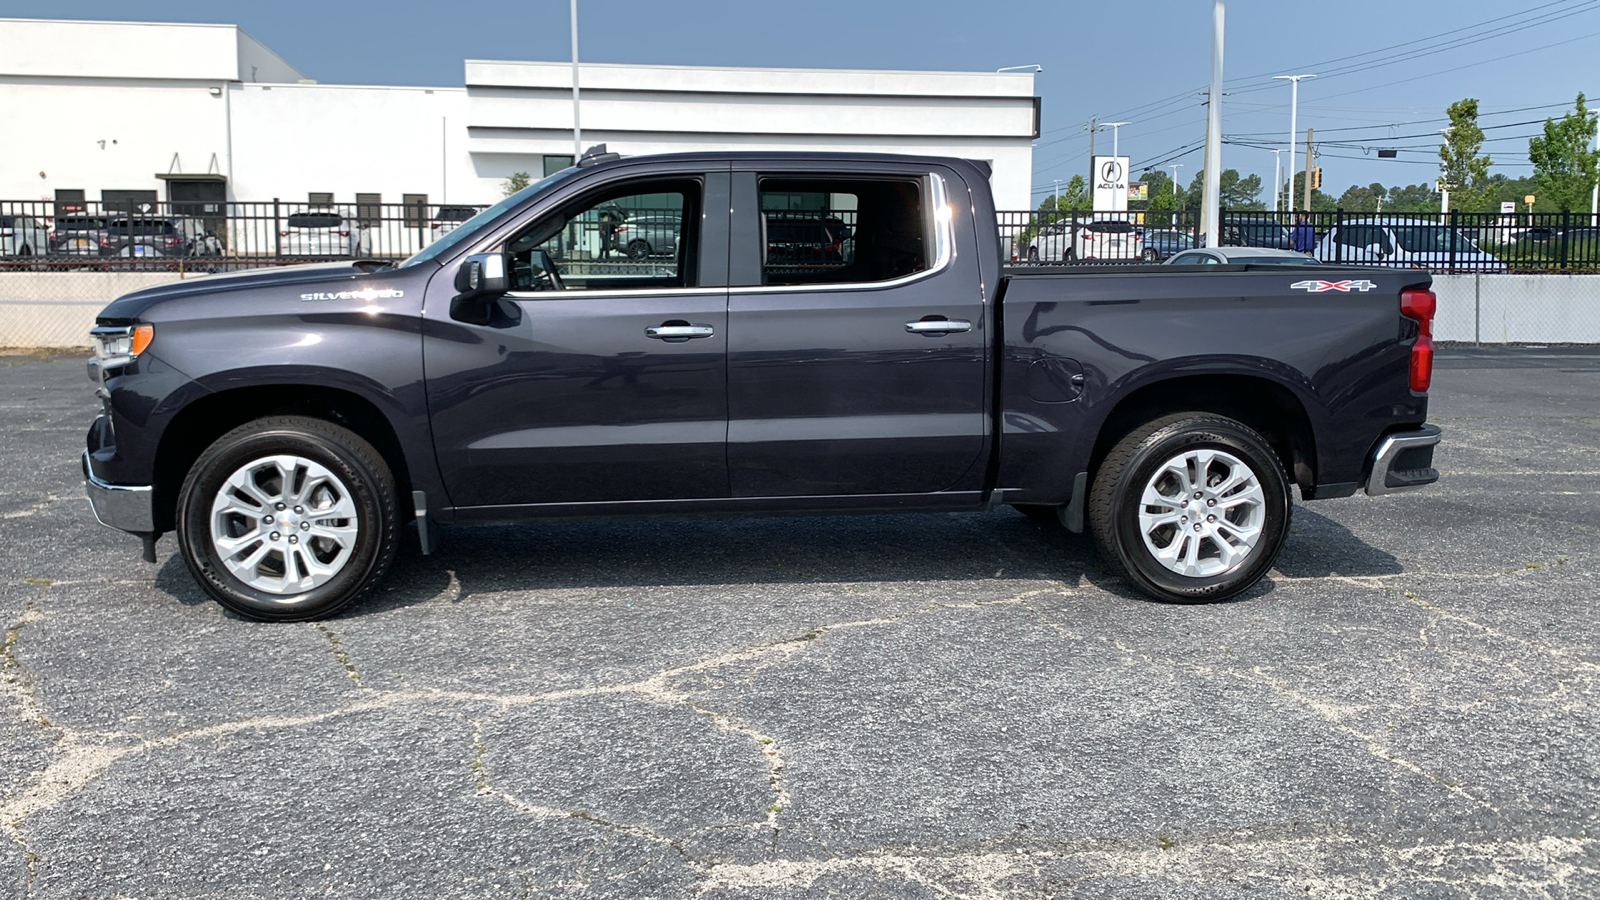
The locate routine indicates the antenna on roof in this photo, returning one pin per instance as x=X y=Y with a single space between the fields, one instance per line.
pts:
x=597 y=154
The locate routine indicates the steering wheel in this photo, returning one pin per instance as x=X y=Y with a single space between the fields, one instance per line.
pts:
x=549 y=275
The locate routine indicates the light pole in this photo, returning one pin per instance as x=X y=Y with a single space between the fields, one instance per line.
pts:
x=1055 y=202
x=1114 y=126
x=1175 y=167
x=1294 y=128
x=1035 y=67
x=1277 y=177
x=577 y=129
x=1213 y=182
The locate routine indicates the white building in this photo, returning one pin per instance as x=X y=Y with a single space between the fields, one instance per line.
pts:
x=119 y=111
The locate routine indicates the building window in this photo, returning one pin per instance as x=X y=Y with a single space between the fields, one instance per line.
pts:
x=554 y=164
x=369 y=209
x=416 y=208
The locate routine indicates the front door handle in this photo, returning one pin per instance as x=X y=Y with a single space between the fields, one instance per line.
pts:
x=939 y=327
x=678 y=332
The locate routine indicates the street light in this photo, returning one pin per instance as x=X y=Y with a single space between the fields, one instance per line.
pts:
x=1175 y=167
x=1277 y=177
x=1211 y=198
x=1294 y=128
x=1114 y=126
x=577 y=130
x=1055 y=199
x=1035 y=67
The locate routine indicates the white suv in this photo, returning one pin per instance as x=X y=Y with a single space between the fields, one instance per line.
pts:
x=321 y=232
x=1099 y=239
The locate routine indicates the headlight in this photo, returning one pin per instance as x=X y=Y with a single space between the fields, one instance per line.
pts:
x=116 y=345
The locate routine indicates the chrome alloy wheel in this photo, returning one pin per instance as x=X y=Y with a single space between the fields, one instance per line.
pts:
x=1201 y=513
x=284 y=524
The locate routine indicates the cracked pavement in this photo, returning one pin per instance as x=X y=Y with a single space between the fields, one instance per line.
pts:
x=877 y=706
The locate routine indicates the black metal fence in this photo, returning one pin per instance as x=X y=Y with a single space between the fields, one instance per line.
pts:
x=1440 y=242
x=216 y=236
x=240 y=234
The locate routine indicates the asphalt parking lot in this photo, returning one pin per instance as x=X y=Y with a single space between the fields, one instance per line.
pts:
x=882 y=706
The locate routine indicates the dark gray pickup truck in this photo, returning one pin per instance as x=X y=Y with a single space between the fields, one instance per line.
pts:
x=828 y=332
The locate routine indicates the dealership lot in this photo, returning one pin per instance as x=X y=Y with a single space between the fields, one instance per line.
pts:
x=907 y=706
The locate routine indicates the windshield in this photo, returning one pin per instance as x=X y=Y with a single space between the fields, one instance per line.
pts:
x=470 y=227
x=1431 y=239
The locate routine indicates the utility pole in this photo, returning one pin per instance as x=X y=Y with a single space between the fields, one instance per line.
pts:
x=1294 y=128
x=1093 y=126
x=1213 y=180
x=577 y=129
x=1308 y=171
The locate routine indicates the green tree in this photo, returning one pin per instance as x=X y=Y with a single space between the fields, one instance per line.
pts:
x=1461 y=169
x=1370 y=199
x=1234 y=191
x=516 y=182
x=1412 y=198
x=1075 y=195
x=1563 y=165
x=1320 y=202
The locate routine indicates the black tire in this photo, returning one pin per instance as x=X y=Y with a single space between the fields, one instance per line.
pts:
x=638 y=250
x=1144 y=458
x=359 y=475
x=1148 y=255
x=1033 y=256
x=1039 y=512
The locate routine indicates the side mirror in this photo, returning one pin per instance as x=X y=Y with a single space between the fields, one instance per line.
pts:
x=482 y=275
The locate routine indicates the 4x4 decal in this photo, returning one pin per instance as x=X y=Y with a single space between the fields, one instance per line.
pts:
x=1317 y=287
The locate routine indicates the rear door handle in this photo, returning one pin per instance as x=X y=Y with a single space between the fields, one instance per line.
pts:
x=678 y=332
x=939 y=327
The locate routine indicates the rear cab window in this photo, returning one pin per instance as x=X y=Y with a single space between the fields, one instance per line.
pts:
x=833 y=230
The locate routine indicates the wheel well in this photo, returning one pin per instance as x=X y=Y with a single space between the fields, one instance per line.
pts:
x=200 y=423
x=1271 y=409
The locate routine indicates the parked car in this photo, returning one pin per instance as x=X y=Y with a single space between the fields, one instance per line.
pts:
x=1242 y=256
x=1411 y=242
x=1255 y=231
x=145 y=237
x=78 y=235
x=1171 y=415
x=23 y=236
x=1160 y=244
x=1098 y=239
x=646 y=234
x=202 y=240
x=805 y=239
x=318 y=232
x=447 y=218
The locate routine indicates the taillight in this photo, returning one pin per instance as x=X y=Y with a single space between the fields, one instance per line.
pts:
x=344 y=234
x=1420 y=306
x=283 y=234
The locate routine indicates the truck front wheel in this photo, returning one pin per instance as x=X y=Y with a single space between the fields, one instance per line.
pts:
x=287 y=518
x=1192 y=507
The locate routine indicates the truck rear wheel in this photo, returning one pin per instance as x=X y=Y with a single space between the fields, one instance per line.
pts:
x=1192 y=507
x=288 y=518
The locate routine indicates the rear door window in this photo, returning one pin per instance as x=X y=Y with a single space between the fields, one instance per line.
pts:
x=818 y=230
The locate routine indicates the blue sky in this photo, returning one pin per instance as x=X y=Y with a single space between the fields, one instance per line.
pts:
x=1388 y=68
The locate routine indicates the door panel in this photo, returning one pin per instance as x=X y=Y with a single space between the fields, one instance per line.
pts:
x=567 y=400
x=609 y=383
x=830 y=393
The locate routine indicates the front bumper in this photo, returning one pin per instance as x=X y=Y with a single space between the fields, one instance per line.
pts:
x=123 y=506
x=1404 y=460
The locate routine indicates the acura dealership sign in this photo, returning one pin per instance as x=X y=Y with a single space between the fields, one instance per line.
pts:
x=1111 y=184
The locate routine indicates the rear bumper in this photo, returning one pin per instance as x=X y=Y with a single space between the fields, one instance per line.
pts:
x=126 y=507
x=1404 y=460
